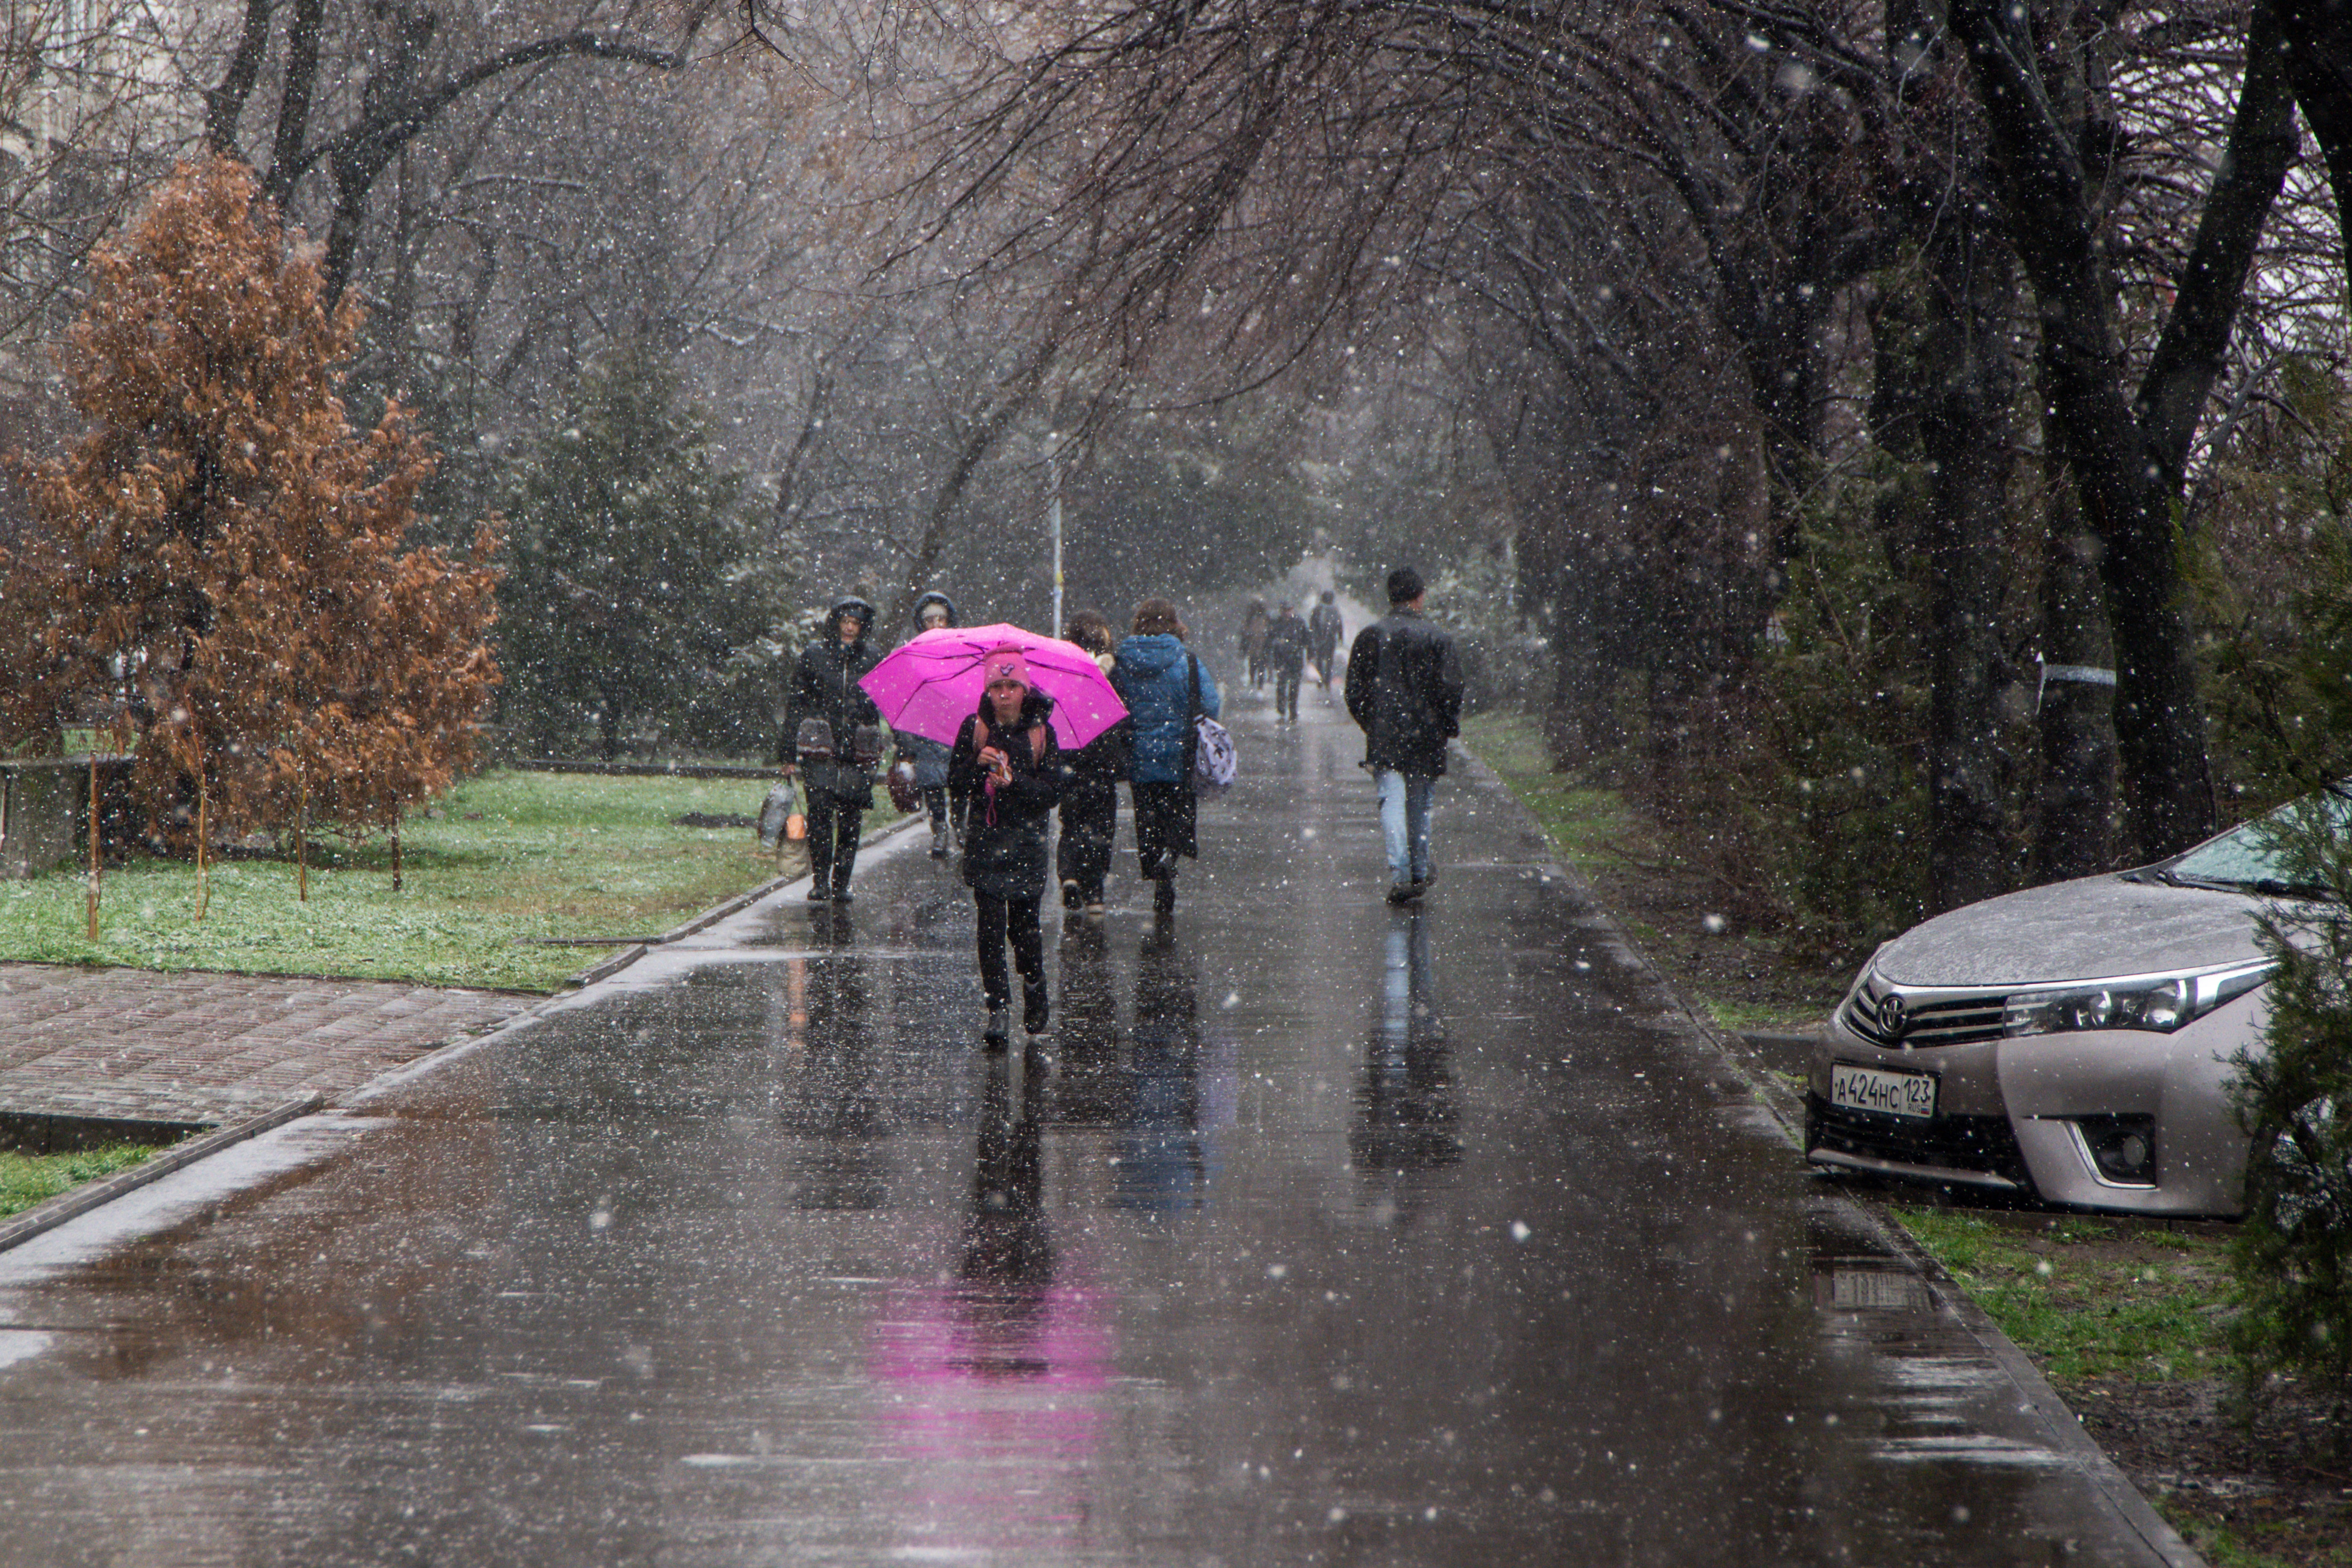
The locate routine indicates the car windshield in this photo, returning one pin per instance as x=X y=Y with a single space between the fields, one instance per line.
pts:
x=2244 y=857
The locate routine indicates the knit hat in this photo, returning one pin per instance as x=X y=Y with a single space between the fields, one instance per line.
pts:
x=1404 y=585
x=1008 y=663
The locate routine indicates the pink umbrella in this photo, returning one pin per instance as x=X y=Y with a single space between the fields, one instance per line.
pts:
x=930 y=684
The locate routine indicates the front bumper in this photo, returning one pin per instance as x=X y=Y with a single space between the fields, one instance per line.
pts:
x=2023 y=1116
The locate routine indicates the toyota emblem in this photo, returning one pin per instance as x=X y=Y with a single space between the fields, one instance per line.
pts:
x=1890 y=1016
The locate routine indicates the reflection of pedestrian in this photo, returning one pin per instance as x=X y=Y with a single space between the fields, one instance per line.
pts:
x=1404 y=689
x=1090 y=804
x=1324 y=630
x=1007 y=771
x=929 y=758
x=1156 y=676
x=840 y=783
x=1406 y=1119
x=1253 y=627
x=1008 y=1251
x=1091 y=1080
x=1286 y=650
x=1161 y=1161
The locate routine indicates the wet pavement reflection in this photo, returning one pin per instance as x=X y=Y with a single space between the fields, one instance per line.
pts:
x=1317 y=1232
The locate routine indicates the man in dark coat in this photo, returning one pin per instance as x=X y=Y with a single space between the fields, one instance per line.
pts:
x=1323 y=628
x=840 y=785
x=1404 y=691
x=1286 y=649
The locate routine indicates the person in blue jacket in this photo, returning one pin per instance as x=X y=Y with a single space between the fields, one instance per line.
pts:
x=1155 y=675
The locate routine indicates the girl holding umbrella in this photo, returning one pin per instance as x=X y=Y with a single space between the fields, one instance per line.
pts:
x=1004 y=776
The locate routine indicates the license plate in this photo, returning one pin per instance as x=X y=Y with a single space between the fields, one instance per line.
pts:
x=1875 y=1089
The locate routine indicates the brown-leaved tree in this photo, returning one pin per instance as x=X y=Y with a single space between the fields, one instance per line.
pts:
x=222 y=550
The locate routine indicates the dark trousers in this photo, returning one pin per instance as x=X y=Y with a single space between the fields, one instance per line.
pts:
x=1016 y=919
x=1286 y=690
x=1164 y=821
x=1089 y=820
x=833 y=828
x=935 y=801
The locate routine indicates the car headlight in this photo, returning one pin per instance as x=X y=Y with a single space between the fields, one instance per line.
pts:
x=2162 y=1002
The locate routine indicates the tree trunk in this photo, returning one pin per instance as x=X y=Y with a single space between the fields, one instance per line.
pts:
x=2129 y=452
x=2075 y=723
x=1964 y=431
x=2316 y=36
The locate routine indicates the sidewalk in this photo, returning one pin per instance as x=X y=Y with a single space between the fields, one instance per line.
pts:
x=103 y=1055
x=187 y=1049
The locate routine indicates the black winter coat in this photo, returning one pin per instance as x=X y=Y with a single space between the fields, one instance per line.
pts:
x=1285 y=643
x=1005 y=831
x=1404 y=690
x=825 y=686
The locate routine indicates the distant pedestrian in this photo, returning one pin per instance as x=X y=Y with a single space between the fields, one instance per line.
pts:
x=840 y=778
x=1324 y=630
x=1006 y=773
x=1286 y=650
x=1404 y=689
x=1090 y=804
x=1254 y=628
x=929 y=758
x=1156 y=676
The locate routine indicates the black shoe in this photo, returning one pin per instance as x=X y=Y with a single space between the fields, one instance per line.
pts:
x=1406 y=892
x=998 y=1029
x=1032 y=1008
x=819 y=893
x=1073 y=897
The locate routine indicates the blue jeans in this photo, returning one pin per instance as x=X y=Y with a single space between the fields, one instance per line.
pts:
x=1404 y=823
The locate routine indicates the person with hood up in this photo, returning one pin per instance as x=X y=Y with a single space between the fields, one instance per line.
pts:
x=1005 y=774
x=1156 y=676
x=1286 y=649
x=841 y=787
x=1404 y=690
x=929 y=758
x=1090 y=805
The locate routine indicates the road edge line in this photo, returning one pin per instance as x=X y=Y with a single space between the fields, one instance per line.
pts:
x=2069 y=1437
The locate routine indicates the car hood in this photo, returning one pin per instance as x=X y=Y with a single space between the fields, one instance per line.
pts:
x=2095 y=928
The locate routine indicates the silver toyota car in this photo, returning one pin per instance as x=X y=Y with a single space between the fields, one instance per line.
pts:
x=2069 y=1044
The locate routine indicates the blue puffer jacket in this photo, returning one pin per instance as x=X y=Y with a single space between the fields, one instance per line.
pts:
x=1151 y=678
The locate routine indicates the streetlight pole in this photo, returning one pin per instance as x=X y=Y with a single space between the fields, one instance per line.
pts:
x=1054 y=525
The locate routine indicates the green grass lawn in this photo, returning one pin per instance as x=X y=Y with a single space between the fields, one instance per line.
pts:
x=29 y=1180
x=2089 y=1298
x=511 y=857
x=1589 y=827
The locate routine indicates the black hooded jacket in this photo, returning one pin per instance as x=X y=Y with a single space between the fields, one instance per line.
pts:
x=1005 y=829
x=825 y=682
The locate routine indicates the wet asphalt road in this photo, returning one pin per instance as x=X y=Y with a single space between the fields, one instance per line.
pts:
x=1327 y=1234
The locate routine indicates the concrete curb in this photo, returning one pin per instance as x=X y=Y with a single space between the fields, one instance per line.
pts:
x=2059 y=1425
x=56 y=1211
x=49 y=1215
x=606 y=968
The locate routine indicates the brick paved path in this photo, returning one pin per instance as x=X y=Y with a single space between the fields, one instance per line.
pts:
x=131 y=1044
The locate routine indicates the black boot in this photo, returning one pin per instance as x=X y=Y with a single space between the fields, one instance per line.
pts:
x=999 y=1026
x=1163 y=896
x=844 y=857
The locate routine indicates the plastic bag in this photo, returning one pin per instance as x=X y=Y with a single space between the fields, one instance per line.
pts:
x=904 y=795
